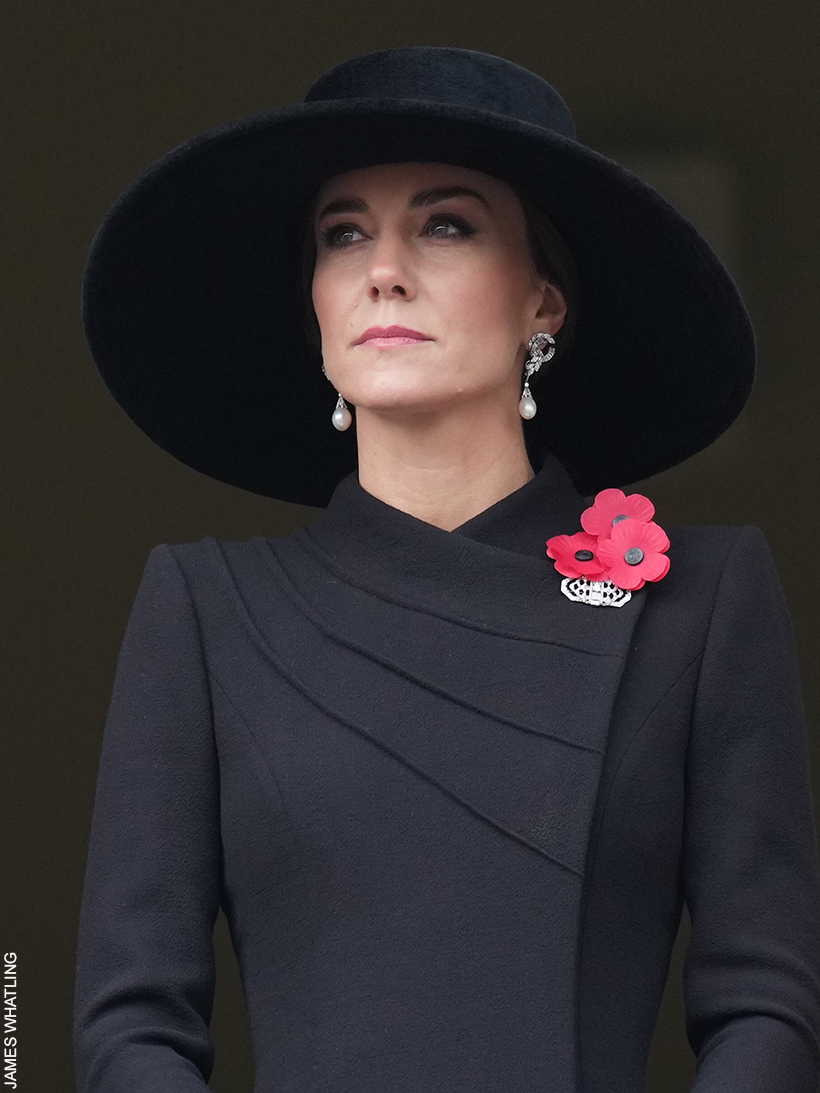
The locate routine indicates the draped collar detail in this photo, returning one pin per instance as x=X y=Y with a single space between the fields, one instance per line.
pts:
x=492 y=571
x=358 y=525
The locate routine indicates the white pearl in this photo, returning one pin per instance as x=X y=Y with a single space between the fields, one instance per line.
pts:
x=342 y=419
x=527 y=407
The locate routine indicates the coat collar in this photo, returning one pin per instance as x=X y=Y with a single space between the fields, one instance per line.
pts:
x=492 y=571
x=356 y=524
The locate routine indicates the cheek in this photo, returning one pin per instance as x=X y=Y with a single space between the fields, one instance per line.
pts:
x=334 y=292
x=489 y=300
x=325 y=296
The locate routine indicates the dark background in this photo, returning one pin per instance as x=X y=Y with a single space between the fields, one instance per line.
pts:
x=713 y=103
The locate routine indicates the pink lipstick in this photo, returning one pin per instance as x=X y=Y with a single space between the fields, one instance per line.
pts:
x=392 y=335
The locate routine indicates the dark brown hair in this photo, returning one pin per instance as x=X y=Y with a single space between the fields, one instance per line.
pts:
x=551 y=257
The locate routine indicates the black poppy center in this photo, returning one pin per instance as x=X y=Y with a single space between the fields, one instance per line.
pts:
x=634 y=556
x=584 y=555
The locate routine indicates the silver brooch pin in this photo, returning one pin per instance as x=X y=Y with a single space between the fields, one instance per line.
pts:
x=596 y=593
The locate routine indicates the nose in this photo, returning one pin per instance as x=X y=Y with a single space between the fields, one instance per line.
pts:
x=390 y=271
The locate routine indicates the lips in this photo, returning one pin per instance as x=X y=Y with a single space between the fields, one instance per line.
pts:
x=406 y=335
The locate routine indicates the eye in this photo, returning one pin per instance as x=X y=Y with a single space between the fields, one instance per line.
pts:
x=461 y=226
x=335 y=235
x=339 y=236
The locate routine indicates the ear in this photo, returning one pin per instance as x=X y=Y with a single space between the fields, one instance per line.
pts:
x=553 y=307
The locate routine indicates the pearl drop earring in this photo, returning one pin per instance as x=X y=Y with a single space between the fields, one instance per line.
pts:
x=341 y=417
x=527 y=407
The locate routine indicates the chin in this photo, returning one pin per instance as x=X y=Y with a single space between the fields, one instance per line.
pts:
x=417 y=399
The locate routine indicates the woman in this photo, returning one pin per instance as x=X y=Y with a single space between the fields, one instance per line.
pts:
x=450 y=801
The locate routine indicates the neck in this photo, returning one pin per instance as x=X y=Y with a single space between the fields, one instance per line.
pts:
x=441 y=472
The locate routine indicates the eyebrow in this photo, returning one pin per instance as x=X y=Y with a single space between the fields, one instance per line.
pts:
x=419 y=200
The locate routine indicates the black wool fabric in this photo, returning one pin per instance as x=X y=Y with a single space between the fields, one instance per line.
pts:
x=451 y=816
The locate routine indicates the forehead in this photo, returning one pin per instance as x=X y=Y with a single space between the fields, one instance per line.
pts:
x=397 y=179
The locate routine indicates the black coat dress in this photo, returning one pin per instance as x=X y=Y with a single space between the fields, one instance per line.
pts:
x=451 y=816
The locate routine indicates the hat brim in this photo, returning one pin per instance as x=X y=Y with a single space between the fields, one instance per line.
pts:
x=192 y=312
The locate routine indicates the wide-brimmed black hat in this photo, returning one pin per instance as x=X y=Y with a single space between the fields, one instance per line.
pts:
x=192 y=303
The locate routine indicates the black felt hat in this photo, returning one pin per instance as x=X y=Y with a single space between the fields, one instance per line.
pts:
x=192 y=305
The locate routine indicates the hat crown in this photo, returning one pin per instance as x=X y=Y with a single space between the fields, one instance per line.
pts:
x=456 y=77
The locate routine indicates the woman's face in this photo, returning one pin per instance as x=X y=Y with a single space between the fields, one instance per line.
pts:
x=407 y=245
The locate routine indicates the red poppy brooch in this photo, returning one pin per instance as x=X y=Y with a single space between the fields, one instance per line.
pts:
x=619 y=550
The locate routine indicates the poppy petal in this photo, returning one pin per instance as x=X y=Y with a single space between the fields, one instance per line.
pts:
x=654 y=567
x=653 y=539
x=609 y=552
x=597 y=519
x=557 y=545
x=611 y=496
x=639 y=507
x=627 y=576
